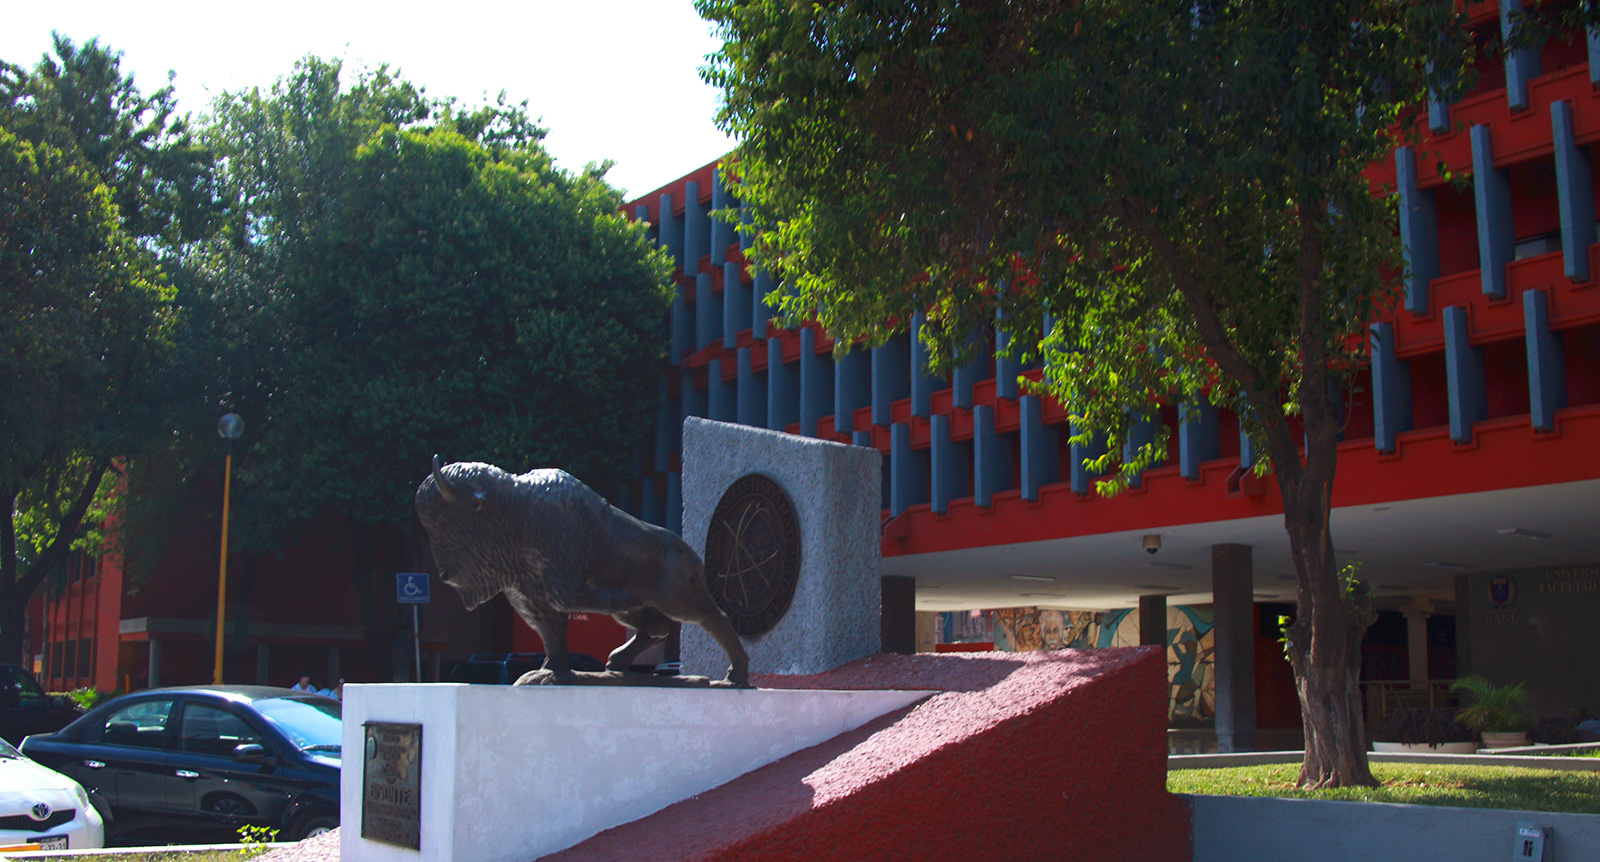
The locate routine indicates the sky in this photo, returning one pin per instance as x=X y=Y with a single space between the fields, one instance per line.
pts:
x=611 y=79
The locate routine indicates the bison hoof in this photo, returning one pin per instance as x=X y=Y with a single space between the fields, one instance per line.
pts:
x=544 y=677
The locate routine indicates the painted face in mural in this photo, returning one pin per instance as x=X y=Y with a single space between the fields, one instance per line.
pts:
x=1053 y=630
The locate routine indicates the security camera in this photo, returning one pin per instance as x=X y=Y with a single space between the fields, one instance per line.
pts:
x=1152 y=543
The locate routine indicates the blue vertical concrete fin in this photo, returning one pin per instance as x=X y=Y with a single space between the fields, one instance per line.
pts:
x=1041 y=447
x=816 y=383
x=1006 y=365
x=691 y=401
x=1199 y=437
x=783 y=388
x=652 y=503
x=991 y=457
x=1463 y=366
x=908 y=470
x=681 y=321
x=670 y=233
x=736 y=296
x=852 y=388
x=1391 y=389
x=1438 y=113
x=1141 y=432
x=707 y=313
x=721 y=395
x=964 y=378
x=762 y=285
x=721 y=229
x=696 y=228
x=949 y=474
x=752 y=391
x=1419 y=231
x=923 y=384
x=1522 y=65
x=1575 y=189
x=1082 y=476
x=1594 y=56
x=891 y=377
x=1492 y=193
x=668 y=425
x=674 y=503
x=1547 y=374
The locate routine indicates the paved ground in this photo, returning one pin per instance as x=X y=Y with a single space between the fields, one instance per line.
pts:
x=323 y=848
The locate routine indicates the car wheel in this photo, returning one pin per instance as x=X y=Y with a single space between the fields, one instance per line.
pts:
x=311 y=825
x=229 y=807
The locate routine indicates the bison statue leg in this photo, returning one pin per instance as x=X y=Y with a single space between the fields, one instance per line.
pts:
x=649 y=627
x=551 y=625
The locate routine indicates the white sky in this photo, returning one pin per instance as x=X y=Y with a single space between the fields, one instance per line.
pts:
x=611 y=79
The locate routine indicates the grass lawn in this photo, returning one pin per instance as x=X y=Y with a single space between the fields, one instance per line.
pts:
x=1514 y=787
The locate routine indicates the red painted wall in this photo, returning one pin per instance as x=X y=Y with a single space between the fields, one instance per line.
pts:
x=1048 y=755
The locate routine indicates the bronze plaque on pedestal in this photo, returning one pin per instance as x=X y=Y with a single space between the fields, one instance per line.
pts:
x=391 y=784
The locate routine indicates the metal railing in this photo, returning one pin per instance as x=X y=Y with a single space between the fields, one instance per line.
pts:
x=1384 y=696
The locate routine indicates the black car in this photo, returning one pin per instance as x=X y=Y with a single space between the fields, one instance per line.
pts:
x=25 y=708
x=505 y=668
x=213 y=758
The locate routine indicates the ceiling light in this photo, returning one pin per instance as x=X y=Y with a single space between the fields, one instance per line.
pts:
x=1526 y=534
x=1178 y=566
x=1444 y=565
x=1160 y=588
x=1043 y=596
x=1032 y=578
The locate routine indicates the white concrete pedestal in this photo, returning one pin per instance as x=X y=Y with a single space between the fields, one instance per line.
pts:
x=512 y=773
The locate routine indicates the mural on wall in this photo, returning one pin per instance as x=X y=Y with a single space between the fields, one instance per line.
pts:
x=1028 y=629
x=1190 y=645
x=964 y=627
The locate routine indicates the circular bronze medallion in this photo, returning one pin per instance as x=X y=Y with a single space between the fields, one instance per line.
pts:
x=753 y=554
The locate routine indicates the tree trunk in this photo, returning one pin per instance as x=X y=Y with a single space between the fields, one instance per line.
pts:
x=13 y=619
x=1324 y=642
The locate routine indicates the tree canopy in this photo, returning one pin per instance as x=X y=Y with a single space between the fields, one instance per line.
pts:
x=89 y=318
x=407 y=276
x=1165 y=200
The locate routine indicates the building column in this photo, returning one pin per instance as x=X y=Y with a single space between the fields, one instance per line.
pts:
x=1234 y=667
x=261 y=664
x=1153 y=621
x=1417 y=614
x=334 y=671
x=155 y=663
x=897 y=629
x=1464 y=626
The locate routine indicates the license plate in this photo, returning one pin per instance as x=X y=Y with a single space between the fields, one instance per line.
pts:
x=53 y=842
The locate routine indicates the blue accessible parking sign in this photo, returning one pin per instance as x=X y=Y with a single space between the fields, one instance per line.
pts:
x=411 y=588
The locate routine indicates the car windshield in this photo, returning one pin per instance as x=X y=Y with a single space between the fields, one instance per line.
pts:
x=311 y=723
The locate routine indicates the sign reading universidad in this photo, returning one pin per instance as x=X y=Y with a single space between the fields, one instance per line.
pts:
x=391 y=784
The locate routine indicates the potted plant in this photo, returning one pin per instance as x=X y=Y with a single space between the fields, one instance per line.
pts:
x=1498 y=712
x=1429 y=731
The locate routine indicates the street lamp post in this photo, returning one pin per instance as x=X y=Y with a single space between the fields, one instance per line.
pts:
x=230 y=426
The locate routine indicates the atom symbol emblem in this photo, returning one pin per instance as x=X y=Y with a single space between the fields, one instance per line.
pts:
x=753 y=554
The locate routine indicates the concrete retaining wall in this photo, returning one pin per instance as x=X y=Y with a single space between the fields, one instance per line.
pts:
x=1242 y=828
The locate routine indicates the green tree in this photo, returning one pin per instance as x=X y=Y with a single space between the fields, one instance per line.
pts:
x=1176 y=187
x=86 y=318
x=99 y=182
x=436 y=284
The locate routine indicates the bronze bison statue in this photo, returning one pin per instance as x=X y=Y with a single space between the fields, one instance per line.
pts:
x=555 y=547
